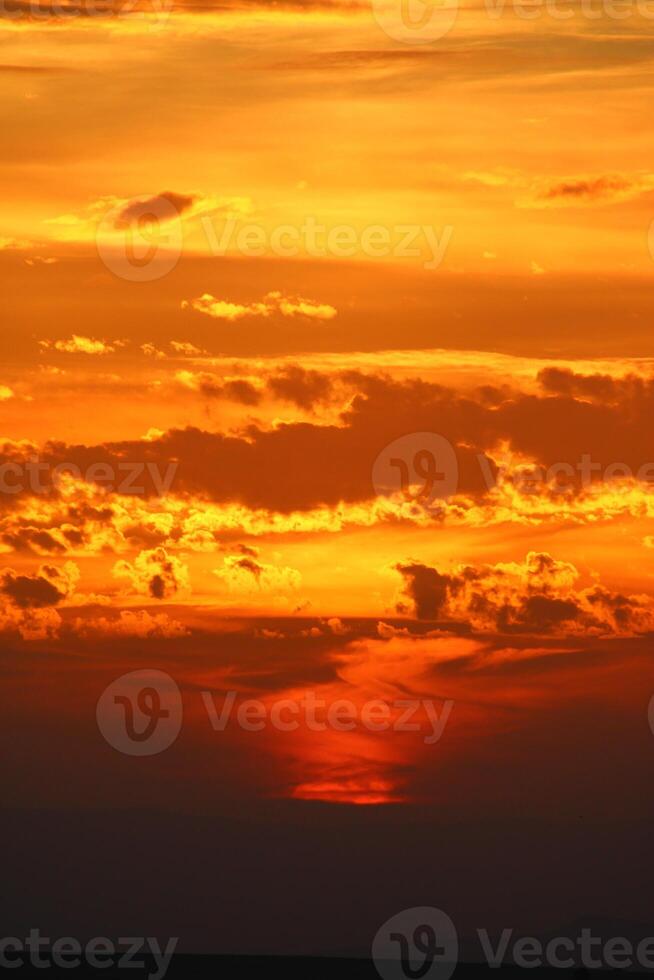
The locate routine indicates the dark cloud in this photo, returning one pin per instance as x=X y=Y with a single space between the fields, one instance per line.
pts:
x=158 y=206
x=597 y=188
x=302 y=465
x=237 y=390
x=48 y=587
x=630 y=392
x=249 y=565
x=303 y=388
x=35 y=540
x=30 y=591
x=539 y=595
x=427 y=589
x=154 y=573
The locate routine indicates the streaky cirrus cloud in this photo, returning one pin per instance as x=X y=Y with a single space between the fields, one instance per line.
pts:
x=604 y=189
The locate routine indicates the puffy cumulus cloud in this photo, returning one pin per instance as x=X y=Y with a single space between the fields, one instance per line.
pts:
x=274 y=302
x=387 y=631
x=180 y=348
x=29 y=600
x=78 y=521
x=79 y=345
x=539 y=595
x=291 y=383
x=333 y=626
x=48 y=587
x=154 y=573
x=31 y=624
x=186 y=349
x=243 y=575
x=86 y=521
x=150 y=350
x=38 y=541
x=139 y=623
x=337 y=626
x=302 y=307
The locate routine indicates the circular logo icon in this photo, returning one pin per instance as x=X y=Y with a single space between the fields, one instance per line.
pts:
x=416 y=944
x=141 y=712
x=416 y=21
x=421 y=465
x=156 y=13
x=141 y=240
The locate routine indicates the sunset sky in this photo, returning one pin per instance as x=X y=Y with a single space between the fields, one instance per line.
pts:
x=255 y=253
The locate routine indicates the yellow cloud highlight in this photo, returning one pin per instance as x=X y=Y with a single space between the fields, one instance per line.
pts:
x=274 y=302
x=79 y=345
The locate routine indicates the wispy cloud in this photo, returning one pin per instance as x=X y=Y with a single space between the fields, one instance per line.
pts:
x=274 y=302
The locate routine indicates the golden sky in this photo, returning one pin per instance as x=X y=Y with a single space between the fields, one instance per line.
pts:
x=256 y=257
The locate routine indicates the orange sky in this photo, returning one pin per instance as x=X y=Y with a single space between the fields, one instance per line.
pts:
x=481 y=271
